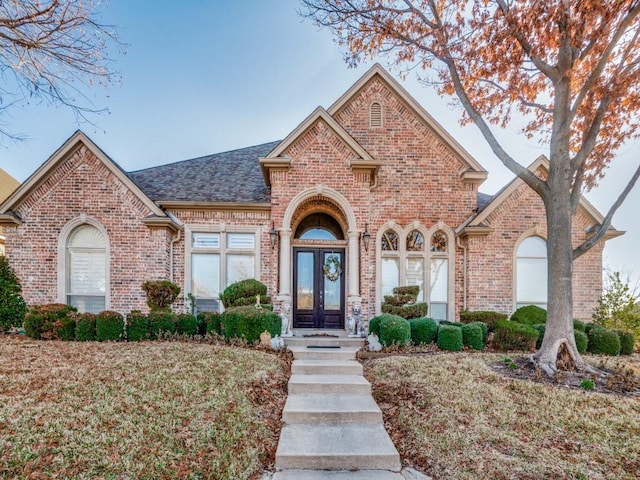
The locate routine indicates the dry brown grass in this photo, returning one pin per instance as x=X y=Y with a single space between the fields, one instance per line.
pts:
x=138 y=410
x=455 y=418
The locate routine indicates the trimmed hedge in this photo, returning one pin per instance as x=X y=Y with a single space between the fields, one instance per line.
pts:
x=514 y=336
x=485 y=331
x=603 y=341
x=137 y=326
x=85 y=327
x=541 y=328
x=109 y=326
x=578 y=325
x=450 y=338
x=452 y=324
x=160 y=294
x=161 y=323
x=488 y=317
x=249 y=322
x=394 y=330
x=246 y=301
x=42 y=321
x=416 y=310
x=627 y=342
x=65 y=328
x=186 y=324
x=374 y=323
x=248 y=288
x=530 y=315
x=472 y=336
x=581 y=340
x=211 y=322
x=423 y=330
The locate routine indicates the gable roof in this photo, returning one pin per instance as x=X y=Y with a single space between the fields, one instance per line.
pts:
x=472 y=170
x=7 y=185
x=486 y=206
x=232 y=176
x=274 y=159
x=67 y=149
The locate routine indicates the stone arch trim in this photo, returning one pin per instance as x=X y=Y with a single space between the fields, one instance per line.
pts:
x=82 y=219
x=320 y=191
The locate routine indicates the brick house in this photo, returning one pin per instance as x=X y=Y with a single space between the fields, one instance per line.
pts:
x=372 y=189
x=7 y=185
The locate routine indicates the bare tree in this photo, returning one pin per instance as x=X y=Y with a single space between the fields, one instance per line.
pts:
x=570 y=67
x=50 y=50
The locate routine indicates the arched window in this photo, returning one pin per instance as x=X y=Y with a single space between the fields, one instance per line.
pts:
x=375 y=115
x=390 y=266
x=439 y=277
x=414 y=261
x=531 y=272
x=86 y=269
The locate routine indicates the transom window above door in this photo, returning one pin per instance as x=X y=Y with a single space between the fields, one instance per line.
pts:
x=319 y=226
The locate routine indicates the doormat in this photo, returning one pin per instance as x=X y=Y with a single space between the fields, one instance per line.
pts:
x=323 y=346
x=321 y=335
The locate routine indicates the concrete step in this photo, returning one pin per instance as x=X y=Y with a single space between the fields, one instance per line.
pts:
x=326 y=367
x=342 y=353
x=310 y=384
x=300 y=332
x=343 y=341
x=336 y=447
x=337 y=475
x=333 y=408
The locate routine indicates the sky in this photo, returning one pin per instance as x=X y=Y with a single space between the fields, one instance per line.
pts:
x=207 y=76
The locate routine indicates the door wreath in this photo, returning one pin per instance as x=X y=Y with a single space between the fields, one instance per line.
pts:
x=332 y=268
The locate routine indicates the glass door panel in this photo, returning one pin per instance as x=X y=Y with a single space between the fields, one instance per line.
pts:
x=305 y=281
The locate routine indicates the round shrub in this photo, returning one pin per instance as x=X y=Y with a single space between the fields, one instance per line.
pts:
x=415 y=310
x=249 y=322
x=161 y=323
x=109 y=326
x=581 y=341
x=578 y=325
x=489 y=317
x=394 y=330
x=211 y=321
x=12 y=306
x=604 y=341
x=452 y=324
x=160 y=294
x=65 y=328
x=137 y=326
x=627 y=342
x=85 y=327
x=472 y=336
x=374 y=323
x=541 y=328
x=423 y=330
x=248 y=288
x=485 y=331
x=450 y=338
x=43 y=321
x=530 y=315
x=589 y=327
x=514 y=336
x=186 y=324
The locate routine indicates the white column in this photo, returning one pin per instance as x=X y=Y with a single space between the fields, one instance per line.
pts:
x=285 y=263
x=354 y=264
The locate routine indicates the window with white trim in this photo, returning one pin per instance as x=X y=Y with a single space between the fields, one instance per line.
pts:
x=439 y=276
x=531 y=272
x=218 y=259
x=86 y=269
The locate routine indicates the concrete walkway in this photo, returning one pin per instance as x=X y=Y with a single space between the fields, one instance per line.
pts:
x=333 y=427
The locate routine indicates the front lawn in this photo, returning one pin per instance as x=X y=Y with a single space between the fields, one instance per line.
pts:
x=455 y=418
x=138 y=410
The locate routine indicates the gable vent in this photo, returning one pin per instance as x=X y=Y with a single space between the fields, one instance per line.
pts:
x=375 y=115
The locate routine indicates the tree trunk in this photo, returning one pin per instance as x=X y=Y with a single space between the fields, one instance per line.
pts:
x=559 y=328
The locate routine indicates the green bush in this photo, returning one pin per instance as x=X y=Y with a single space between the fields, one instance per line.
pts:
x=249 y=322
x=603 y=341
x=581 y=340
x=472 y=336
x=589 y=327
x=514 y=336
x=374 y=323
x=248 y=289
x=541 y=327
x=618 y=308
x=415 y=310
x=85 y=327
x=109 y=326
x=43 y=321
x=423 y=330
x=186 y=324
x=137 y=326
x=406 y=294
x=450 y=338
x=65 y=328
x=211 y=321
x=530 y=315
x=161 y=323
x=627 y=342
x=485 y=331
x=160 y=294
x=578 y=325
x=246 y=301
x=490 y=318
x=12 y=306
x=451 y=324
x=394 y=330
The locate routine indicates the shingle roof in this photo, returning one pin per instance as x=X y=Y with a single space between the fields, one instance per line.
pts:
x=233 y=176
x=483 y=200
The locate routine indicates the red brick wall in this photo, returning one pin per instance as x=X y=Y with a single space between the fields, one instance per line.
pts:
x=83 y=185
